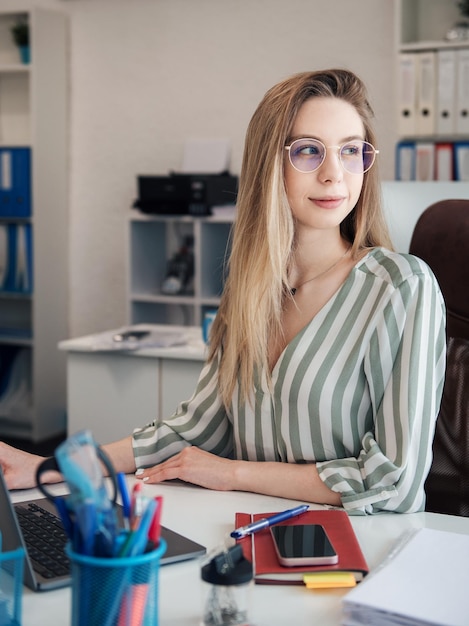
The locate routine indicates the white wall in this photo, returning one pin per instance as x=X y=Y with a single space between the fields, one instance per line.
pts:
x=148 y=74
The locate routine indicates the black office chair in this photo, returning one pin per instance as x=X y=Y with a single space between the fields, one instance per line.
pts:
x=441 y=238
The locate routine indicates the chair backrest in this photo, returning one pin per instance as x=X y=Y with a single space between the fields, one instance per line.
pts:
x=447 y=484
x=441 y=239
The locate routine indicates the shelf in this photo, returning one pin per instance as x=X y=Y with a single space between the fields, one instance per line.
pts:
x=153 y=240
x=423 y=46
x=34 y=114
x=423 y=21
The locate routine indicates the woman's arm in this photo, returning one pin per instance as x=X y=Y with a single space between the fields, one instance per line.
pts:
x=405 y=369
x=285 y=480
x=19 y=467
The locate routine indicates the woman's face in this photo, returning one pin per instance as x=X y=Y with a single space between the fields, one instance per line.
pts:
x=322 y=199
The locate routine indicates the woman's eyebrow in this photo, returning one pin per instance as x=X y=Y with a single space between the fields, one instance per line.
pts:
x=306 y=136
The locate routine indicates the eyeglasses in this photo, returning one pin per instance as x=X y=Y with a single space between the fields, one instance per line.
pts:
x=307 y=155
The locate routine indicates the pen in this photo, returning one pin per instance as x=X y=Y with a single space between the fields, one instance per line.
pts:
x=265 y=522
x=126 y=504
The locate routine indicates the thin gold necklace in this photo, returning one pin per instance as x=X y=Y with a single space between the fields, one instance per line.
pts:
x=293 y=290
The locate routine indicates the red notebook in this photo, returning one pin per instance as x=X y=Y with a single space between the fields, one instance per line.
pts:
x=259 y=548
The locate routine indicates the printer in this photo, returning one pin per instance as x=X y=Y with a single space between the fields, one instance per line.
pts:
x=185 y=194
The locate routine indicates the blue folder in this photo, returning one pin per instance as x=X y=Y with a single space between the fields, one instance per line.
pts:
x=15 y=182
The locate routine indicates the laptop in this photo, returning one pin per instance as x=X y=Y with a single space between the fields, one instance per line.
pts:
x=35 y=526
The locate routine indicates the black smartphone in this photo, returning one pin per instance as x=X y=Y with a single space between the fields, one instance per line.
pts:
x=303 y=544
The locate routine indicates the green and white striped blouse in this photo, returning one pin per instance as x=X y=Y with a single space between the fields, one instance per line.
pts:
x=357 y=392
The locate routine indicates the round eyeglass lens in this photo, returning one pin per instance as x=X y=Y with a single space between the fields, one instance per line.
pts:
x=307 y=155
x=357 y=156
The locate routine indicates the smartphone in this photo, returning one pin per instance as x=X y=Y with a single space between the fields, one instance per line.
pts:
x=303 y=544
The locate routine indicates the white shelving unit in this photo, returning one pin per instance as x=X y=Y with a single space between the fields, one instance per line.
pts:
x=421 y=27
x=34 y=114
x=152 y=241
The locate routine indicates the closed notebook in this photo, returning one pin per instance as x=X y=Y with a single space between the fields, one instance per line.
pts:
x=259 y=547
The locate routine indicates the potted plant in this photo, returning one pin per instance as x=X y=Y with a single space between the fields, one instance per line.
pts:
x=464 y=8
x=20 y=34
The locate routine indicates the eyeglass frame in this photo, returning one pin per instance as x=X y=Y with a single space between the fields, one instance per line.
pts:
x=326 y=148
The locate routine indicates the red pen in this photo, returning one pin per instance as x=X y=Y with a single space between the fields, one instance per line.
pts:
x=155 y=527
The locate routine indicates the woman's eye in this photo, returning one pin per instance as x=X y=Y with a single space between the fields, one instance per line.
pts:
x=350 y=150
x=308 y=150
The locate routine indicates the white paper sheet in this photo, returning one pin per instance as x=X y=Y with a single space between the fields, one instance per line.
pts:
x=425 y=583
x=206 y=156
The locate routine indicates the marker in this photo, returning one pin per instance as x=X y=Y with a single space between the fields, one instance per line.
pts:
x=265 y=522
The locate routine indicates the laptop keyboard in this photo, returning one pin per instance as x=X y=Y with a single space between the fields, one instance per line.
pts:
x=45 y=540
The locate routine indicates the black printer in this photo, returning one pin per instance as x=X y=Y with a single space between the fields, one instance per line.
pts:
x=185 y=194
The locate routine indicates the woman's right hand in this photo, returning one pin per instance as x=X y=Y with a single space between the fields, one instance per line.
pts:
x=19 y=467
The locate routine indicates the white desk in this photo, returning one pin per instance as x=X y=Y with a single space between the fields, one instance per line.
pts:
x=207 y=517
x=114 y=392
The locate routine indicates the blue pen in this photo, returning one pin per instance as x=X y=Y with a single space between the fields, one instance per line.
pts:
x=125 y=496
x=265 y=522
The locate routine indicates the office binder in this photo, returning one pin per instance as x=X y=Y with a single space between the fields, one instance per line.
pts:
x=407 y=92
x=461 y=160
x=405 y=160
x=446 y=92
x=15 y=182
x=444 y=161
x=426 y=88
x=424 y=161
x=462 y=104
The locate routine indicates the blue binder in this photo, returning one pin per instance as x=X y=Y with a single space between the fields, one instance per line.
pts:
x=15 y=182
x=405 y=160
x=461 y=160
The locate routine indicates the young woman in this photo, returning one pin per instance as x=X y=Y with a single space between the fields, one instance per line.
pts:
x=327 y=355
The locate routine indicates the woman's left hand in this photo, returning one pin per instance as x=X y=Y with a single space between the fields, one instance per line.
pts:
x=196 y=466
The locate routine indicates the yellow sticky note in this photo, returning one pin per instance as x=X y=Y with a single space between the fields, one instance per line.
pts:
x=329 y=580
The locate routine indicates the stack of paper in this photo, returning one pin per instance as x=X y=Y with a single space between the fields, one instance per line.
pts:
x=426 y=583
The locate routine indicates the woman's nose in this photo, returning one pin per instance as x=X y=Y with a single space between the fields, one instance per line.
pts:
x=331 y=168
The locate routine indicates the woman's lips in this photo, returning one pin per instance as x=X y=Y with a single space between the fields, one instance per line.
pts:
x=328 y=203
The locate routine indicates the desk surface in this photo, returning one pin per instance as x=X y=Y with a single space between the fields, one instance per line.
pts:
x=207 y=517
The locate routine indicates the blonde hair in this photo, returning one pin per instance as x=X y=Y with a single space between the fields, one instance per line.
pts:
x=250 y=310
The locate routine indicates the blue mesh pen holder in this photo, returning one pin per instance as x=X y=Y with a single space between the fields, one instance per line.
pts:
x=11 y=586
x=120 y=591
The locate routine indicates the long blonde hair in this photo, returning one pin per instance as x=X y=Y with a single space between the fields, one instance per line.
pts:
x=250 y=310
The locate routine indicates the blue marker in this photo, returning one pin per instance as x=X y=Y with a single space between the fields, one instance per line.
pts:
x=265 y=522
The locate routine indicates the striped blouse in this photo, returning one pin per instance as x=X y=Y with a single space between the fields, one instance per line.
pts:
x=356 y=391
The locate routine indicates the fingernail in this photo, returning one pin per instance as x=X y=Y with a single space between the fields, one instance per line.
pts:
x=139 y=472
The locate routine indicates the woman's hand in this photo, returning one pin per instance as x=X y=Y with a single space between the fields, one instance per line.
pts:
x=195 y=466
x=19 y=467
